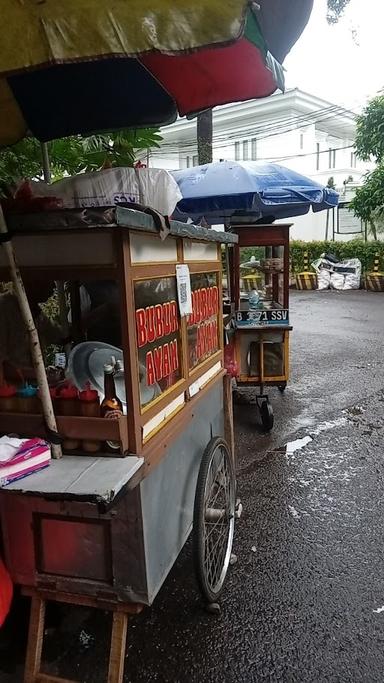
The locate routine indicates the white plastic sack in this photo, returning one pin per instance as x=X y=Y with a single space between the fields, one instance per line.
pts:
x=337 y=281
x=322 y=264
x=352 y=279
x=323 y=278
x=149 y=186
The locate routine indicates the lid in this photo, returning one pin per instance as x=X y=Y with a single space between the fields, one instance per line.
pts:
x=7 y=390
x=109 y=368
x=67 y=391
x=86 y=364
x=27 y=391
x=88 y=394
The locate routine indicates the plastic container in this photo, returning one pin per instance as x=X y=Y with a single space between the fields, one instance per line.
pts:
x=90 y=407
x=28 y=400
x=253 y=299
x=67 y=403
x=8 y=399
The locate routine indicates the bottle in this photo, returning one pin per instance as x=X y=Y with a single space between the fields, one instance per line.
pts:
x=8 y=399
x=111 y=406
x=67 y=403
x=90 y=407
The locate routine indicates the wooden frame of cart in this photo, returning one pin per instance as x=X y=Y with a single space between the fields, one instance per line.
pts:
x=105 y=531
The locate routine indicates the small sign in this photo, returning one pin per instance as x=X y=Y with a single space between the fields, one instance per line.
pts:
x=278 y=316
x=184 y=293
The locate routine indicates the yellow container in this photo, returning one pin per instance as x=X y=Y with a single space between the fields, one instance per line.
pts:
x=306 y=280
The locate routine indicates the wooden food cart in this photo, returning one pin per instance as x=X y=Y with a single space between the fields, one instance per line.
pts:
x=260 y=300
x=104 y=530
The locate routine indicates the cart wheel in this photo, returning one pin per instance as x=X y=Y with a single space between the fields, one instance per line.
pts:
x=214 y=518
x=282 y=388
x=266 y=414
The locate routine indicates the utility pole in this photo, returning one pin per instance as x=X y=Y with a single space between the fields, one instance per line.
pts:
x=204 y=131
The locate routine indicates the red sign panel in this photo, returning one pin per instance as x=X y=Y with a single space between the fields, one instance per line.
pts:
x=203 y=323
x=158 y=336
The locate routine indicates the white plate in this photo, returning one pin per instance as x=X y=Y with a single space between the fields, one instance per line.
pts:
x=86 y=364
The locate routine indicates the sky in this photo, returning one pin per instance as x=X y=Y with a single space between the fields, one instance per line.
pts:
x=342 y=63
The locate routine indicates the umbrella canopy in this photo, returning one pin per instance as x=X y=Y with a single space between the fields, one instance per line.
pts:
x=222 y=190
x=85 y=66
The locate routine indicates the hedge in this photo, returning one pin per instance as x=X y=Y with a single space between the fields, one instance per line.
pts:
x=364 y=251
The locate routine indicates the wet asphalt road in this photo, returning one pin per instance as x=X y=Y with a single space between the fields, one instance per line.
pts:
x=303 y=602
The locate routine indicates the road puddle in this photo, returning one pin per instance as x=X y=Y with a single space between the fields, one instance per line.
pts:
x=293 y=446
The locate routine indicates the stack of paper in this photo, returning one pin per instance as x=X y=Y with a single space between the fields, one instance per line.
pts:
x=20 y=457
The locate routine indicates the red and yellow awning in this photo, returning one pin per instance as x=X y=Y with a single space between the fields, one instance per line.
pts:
x=81 y=66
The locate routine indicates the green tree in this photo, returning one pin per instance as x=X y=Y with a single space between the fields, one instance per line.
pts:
x=73 y=155
x=370 y=131
x=368 y=203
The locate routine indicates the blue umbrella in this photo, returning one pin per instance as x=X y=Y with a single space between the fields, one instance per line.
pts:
x=222 y=190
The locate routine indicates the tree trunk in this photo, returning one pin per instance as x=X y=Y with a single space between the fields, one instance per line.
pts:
x=37 y=357
x=373 y=229
x=204 y=136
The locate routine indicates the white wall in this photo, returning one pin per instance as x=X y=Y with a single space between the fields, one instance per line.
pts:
x=304 y=149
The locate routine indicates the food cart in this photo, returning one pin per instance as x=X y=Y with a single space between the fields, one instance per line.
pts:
x=260 y=322
x=102 y=530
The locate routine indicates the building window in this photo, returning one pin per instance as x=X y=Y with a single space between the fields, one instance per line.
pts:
x=254 y=149
x=237 y=151
x=195 y=160
x=353 y=160
x=333 y=158
x=245 y=150
x=329 y=158
x=317 y=156
x=188 y=161
x=301 y=140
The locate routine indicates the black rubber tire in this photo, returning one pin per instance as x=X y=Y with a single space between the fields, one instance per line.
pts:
x=209 y=589
x=266 y=414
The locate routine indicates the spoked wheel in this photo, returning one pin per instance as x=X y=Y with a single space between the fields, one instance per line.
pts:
x=214 y=518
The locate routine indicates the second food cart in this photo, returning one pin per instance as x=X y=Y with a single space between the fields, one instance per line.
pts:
x=260 y=323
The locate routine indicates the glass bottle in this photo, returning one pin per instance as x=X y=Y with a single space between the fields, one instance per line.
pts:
x=111 y=406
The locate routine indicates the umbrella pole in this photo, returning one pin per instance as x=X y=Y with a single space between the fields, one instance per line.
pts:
x=37 y=356
x=46 y=162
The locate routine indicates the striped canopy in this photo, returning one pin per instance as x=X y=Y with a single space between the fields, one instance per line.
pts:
x=85 y=66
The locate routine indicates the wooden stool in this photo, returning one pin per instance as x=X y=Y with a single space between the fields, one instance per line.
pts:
x=32 y=673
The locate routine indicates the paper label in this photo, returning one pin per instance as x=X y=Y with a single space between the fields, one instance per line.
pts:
x=184 y=294
x=113 y=415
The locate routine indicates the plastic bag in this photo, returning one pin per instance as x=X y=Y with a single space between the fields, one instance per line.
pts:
x=337 y=281
x=149 y=186
x=6 y=592
x=342 y=275
x=323 y=279
x=352 y=273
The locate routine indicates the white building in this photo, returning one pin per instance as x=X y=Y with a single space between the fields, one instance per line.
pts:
x=298 y=130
